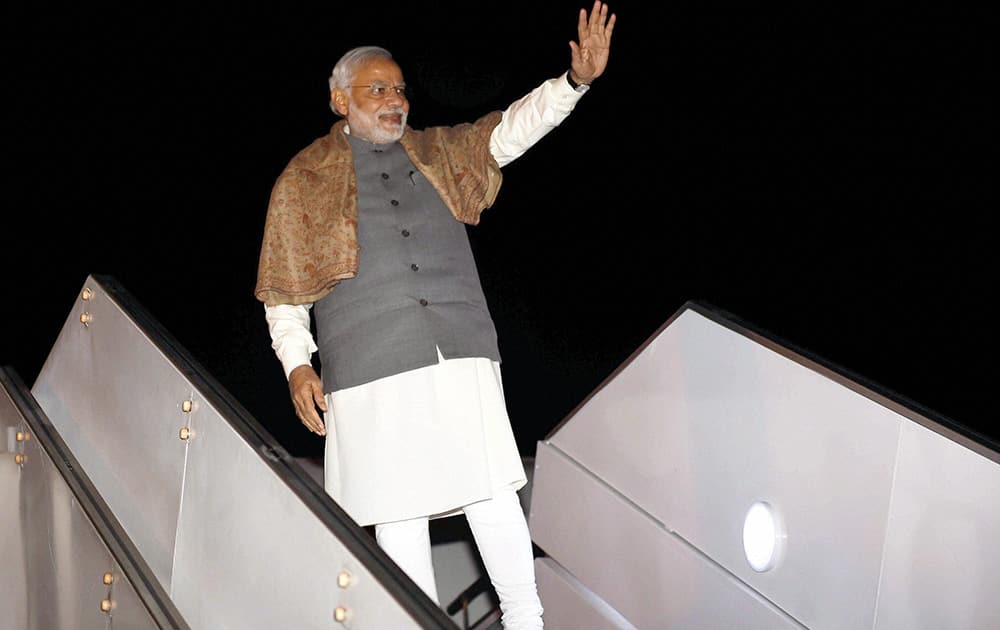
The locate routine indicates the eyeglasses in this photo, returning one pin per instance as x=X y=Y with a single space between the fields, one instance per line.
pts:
x=381 y=90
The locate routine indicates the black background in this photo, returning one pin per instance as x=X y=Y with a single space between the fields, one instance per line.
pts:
x=820 y=174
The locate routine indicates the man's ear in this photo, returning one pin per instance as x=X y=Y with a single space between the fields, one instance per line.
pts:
x=340 y=101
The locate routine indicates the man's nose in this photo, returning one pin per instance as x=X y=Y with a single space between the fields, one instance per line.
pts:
x=394 y=99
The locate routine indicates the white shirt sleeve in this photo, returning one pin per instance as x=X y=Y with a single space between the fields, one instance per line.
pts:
x=291 y=338
x=532 y=116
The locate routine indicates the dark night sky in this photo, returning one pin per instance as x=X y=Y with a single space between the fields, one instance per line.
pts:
x=821 y=175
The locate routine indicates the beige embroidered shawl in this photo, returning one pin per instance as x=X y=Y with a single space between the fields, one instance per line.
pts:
x=311 y=232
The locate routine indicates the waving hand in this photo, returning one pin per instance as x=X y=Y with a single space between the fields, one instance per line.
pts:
x=590 y=55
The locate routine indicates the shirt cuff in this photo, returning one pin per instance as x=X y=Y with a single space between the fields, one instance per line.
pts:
x=293 y=358
x=579 y=88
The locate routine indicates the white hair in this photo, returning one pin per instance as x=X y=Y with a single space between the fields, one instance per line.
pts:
x=346 y=68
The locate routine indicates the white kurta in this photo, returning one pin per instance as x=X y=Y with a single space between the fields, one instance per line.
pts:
x=422 y=443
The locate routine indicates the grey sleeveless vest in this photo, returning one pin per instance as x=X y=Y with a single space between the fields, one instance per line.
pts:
x=417 y=285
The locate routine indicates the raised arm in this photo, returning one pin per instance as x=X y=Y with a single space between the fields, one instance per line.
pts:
x=534 y=115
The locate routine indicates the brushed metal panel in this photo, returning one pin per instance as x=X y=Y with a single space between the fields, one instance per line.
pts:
x=631 y=561
x=704 y=421
x=129 y=611
x=13 y=576
x=116 y=402
x=65 y=557
x=570 y=604
x=941 y=550
x=251 y=555
x=116 y=387
x=70 y=540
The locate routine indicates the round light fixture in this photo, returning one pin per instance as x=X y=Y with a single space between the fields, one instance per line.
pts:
x=763 y=537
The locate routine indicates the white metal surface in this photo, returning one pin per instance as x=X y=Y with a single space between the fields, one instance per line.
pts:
x=570 y=604
x=65 y=557
x=228 y=538
x=642 y=570
x=705 y=422
x=55 y=558
x=117 y=404
x=14 y=580
x=941 y=566
x=242 y=537
x=889 y=517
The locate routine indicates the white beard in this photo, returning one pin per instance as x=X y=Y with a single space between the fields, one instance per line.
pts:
x=369 y=128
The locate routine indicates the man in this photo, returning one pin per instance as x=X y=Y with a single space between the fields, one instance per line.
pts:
x=361 y=234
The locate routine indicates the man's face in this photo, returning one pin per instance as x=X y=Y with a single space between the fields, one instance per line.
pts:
x=377 y=119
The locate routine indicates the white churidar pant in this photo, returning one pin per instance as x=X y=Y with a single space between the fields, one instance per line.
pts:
x=504 y=543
